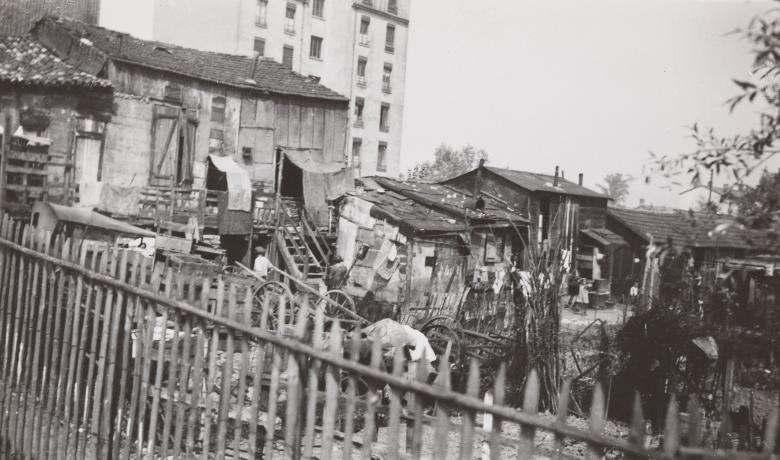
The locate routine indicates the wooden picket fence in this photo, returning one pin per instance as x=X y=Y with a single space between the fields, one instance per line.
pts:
x=103 y=357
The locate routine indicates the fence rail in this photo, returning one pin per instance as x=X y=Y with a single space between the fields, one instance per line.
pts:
x=103 y=357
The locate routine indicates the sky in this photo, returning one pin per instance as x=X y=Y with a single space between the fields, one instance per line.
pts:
x=589 y=85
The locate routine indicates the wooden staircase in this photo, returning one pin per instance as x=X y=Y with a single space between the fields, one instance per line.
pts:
x=301 y=245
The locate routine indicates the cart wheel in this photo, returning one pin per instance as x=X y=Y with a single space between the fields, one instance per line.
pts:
x=340 y=298
x=271 y=291
x=439 y=333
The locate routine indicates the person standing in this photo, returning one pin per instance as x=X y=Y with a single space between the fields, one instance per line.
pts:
x=337 y=274
x=633 y=294
x=262 y=264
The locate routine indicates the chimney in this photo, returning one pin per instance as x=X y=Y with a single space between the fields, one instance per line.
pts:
x=478 y=182
x=641 y=202
x=580 y=179
x=563 y=175
x=555 y=181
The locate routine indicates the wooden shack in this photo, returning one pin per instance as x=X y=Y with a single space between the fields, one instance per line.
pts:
x=423 y=241
x=52 y=124
x=562 y=214
x=175 y=106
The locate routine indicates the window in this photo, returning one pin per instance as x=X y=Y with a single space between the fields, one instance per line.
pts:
x=384 y=118
x=390 y=38
x=392 y=6
x=361 y=71
x=317 y=8
x=381 y=157
x=388 y=71
x=260 y=46
x=216 y=137
x=261 y=15
x=359 y=104
x=315 y=47
x=365 y=22
x=357 y=145
x=218 y=109
x=287 y=56
x=289 y=24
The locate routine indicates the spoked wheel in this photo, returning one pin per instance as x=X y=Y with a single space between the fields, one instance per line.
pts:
x=440 y=331
x=272 y=292
x=340 y=298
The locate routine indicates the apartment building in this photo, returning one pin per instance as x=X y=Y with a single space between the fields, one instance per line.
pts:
x=356 y=47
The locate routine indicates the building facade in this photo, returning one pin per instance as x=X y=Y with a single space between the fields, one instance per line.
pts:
x=356 y=47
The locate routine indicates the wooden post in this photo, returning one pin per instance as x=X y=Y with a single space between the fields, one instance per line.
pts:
x=6 y=151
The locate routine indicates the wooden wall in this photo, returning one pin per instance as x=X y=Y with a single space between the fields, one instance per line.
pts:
x=290 y=123
x=61 y=110
x=252 y=123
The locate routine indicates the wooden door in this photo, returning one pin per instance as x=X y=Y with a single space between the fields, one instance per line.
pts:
x=87 y=167
x=165 y=145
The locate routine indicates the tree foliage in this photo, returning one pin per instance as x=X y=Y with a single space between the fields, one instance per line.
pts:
x=616 y=186
x=448 y=162
x=737 y=157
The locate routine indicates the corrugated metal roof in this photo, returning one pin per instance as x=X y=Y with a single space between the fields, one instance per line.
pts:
x=693 y=229
x=25 y=62
x=226 y=69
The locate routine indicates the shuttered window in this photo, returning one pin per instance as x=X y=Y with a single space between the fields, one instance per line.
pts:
x=318 y=8
x=315 y=47
x=287 y=56
x=390 y=39
x=381 y=157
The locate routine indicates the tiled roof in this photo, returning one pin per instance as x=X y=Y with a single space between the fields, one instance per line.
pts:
x=226 y=69
x=24 y=61
x=453 y=201
x=536 y=182
x=694 y=229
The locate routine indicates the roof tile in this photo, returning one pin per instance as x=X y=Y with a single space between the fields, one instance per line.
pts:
x=695 y=229
x=226 y=69
x=24 y=61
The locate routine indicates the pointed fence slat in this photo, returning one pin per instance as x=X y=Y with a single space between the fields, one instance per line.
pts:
x=312 y=387
x=352 y=382
x=672 y=429
x=369 y=425
x=770 y=432
x=636 y=434
x=499 y=390
x=596 y=423
x=273 y=392
x=211 y=373
x=442 y=432
x=560 y=416
x=394 y=420
x=259 y=367
x=525 y=447
x=292 y=432
x=331 y=394
x=469 y=416
x=227 y=378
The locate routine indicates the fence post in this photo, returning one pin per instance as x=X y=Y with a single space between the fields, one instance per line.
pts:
x=487 y=426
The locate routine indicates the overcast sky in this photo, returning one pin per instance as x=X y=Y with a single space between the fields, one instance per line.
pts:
x=590 y=85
